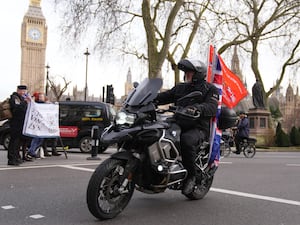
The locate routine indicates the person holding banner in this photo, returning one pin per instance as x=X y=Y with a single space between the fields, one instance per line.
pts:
x=205 y=105
x=18 y=104
x=53 y=143
x=37 y=141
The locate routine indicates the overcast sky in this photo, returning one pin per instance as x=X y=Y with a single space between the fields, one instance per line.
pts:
x=72 y=65
x=61 y=61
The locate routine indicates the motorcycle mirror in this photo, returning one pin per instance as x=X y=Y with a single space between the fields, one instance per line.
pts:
x=135 y=84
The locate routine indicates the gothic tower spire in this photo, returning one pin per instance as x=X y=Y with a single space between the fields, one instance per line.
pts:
x=128 y=83
x=235 y=64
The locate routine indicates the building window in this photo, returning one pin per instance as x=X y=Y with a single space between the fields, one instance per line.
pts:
x=262 y=123
x=252 y=123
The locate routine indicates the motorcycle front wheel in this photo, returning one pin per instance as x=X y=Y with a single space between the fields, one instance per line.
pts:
x=110 y=189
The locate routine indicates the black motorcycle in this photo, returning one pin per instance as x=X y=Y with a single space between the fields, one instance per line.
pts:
x=148 y=157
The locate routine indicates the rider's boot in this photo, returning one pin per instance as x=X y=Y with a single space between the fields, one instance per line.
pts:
x=189 y=185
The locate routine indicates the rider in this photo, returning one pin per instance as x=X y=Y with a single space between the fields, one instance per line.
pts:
x=242 y=131
x=204 y=104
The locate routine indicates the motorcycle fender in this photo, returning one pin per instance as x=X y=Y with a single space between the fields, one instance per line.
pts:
x=112 y=137
x=122 y=155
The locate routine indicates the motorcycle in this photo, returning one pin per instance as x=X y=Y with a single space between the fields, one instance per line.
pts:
x=148 y=157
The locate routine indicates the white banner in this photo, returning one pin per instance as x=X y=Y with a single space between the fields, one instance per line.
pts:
x=41 y=120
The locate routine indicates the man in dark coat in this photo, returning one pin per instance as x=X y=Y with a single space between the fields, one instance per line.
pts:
x=18 y=104
x=205 y=105
x=242 y=131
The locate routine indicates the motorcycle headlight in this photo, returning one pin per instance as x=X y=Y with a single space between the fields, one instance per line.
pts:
x=125 y=118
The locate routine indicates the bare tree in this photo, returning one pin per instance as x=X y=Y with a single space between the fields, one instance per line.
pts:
x=252 y=24
x=56 y=88
x=169 y=26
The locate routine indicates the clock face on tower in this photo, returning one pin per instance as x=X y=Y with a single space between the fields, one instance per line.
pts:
x=34 y=34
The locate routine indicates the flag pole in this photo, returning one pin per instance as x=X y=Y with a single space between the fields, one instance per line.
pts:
x=210 y=79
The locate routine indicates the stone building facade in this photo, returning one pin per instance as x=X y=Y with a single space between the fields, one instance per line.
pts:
x=290 y=108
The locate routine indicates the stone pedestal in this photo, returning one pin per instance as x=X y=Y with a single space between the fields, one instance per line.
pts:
x=260 y=126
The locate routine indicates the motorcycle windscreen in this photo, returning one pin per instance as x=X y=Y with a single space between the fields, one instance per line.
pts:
x=145 y=92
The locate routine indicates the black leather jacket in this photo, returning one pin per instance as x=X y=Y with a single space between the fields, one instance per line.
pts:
x=18 y=108
x=206 y=103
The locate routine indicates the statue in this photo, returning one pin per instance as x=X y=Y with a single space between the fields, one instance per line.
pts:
x=258 y=95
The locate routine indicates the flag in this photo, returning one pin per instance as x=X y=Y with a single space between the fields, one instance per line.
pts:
x=233 y=88
x=215 y=76
x=231 y=92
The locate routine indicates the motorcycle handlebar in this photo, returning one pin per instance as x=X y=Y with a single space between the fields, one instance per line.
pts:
x=176 y=109
x=170 y=109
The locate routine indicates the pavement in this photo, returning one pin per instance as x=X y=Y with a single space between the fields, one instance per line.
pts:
x=74 y=156
x=278 y=149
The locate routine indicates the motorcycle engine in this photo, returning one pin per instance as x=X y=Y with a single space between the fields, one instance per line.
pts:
x=163 y=163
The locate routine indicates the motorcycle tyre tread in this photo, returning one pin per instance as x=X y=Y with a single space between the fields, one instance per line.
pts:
x=93 y=189
x=197 y=196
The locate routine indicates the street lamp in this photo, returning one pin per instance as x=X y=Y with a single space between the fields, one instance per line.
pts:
x=86 y=71
x=47 y=78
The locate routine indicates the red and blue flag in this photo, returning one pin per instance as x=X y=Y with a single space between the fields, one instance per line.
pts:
x=231 y=92
x=215 y=76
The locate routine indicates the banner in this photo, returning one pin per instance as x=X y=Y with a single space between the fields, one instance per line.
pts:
x=41 y=120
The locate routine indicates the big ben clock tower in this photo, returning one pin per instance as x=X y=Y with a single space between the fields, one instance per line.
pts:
x=33 y=46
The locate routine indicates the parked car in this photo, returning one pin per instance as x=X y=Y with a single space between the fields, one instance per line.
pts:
x=4 y=134
x=76 y=119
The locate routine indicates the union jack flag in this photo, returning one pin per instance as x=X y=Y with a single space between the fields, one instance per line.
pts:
x=215 y=76
x=231 y=92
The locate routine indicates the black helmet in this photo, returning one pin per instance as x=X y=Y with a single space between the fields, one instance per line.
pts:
x=193 y=65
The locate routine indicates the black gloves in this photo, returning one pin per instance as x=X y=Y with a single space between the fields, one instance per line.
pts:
x=190 y=110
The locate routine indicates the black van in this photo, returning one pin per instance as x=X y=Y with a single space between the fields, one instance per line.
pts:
x=76 y=119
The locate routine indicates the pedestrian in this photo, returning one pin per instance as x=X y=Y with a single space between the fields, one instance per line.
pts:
x=52 y=142
x=204 y=104
x=18 y=103
x=37 y=142
x=242 y=131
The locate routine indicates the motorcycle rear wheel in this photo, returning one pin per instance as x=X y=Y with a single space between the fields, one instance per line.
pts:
x=201 y=188
x=105 y=195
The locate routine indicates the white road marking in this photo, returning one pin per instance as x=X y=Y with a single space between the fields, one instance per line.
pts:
x=242 y=194
x=77 y=168
x=7 y=207
x=37 y=216
x=262 y=197
x=292 y=164
x=237 y=193
x=46 y=166
x=225 y=162
x=27 y=167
